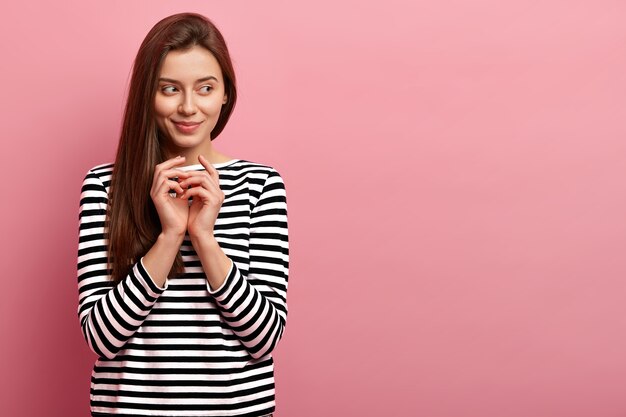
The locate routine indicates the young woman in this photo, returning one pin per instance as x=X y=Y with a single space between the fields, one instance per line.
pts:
x=183 y=253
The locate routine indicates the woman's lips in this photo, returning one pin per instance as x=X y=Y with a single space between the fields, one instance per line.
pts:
x=186 y=127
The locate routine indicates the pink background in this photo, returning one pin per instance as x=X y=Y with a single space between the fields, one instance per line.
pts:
x=455 y=179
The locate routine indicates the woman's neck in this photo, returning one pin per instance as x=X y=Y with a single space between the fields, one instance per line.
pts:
x=191 y=156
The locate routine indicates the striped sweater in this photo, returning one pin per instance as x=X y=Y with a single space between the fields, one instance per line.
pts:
x=184 y=349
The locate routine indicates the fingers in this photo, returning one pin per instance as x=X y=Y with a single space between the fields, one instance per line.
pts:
x=210 y=169
x=206 y=196
x=167 y=178
x=167 y=165
x=202 y=180
x=198 y=178
x=167 y=168
x=165 y=175
x=174 y=174
x=165 y=187
x=168 y=186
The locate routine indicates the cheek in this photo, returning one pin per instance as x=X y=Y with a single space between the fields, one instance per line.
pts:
x=160 y=114
x=163 y=107
x=212 y=105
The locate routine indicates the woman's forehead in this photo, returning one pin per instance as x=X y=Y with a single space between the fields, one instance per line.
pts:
x=190 y=65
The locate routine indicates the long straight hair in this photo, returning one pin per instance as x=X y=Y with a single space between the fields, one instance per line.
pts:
x=132 y=219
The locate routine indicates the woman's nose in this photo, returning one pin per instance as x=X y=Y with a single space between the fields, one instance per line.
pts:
x=187 y=105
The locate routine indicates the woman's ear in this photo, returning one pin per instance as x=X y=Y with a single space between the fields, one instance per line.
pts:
x=225 y=99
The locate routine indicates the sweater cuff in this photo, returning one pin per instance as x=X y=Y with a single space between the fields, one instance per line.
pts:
x=148 y=281
x=229 y=278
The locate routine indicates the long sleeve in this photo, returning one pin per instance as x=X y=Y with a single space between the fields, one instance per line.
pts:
x=255 y=304
x=109 y=313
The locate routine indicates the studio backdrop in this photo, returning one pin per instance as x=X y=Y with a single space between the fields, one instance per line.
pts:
x=455 y=185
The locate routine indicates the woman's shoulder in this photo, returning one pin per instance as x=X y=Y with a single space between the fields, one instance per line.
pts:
x=250 y=166
x=261 y=177
x=254 y=172
x=100 y=174
x=102 y=168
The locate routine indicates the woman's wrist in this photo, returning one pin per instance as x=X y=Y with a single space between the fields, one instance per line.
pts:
x=159 y=259
x=204 y=238
x=172 y=237
x=213 y=259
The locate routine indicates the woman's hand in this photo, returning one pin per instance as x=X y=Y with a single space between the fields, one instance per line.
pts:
x=173 y=211
x=207 y=199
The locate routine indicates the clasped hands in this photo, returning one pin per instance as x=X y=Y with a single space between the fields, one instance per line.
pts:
x=177 y=216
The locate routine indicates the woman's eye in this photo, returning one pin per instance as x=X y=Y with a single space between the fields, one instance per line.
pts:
x=206 y=88
x=168 y=89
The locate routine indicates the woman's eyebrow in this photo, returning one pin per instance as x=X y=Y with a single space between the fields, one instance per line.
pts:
x=171 y=80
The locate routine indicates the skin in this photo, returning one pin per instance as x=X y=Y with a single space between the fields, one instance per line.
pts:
x=182 y=97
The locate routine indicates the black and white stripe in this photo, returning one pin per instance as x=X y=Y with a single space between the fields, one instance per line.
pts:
x=184 y=349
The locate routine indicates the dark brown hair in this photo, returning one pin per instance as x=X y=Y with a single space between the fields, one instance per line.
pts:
x=133 y=222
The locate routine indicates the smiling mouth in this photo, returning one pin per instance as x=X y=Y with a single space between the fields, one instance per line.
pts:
x=186 y=123
x=186 y=127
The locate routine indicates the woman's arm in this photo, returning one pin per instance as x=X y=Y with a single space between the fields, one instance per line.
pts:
x=110 y=313
x=254 y=303
x=159 y=259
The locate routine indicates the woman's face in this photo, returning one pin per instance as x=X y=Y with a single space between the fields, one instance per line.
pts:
x=189 y=98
